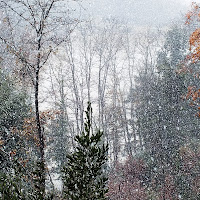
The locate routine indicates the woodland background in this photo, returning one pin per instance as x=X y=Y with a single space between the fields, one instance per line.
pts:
x=143 y=85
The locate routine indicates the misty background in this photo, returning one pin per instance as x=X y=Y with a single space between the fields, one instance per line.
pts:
x=139 y=12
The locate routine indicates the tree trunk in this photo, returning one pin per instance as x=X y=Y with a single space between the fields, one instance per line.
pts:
x=41 y=140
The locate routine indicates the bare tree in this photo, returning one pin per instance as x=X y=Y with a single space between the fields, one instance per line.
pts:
x=36 y=28
x=76 y=82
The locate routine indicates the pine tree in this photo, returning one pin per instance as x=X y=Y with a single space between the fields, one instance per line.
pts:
x=164 y=120
x=84 y=176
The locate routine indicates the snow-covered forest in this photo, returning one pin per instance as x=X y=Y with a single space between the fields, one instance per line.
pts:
x=97 y=108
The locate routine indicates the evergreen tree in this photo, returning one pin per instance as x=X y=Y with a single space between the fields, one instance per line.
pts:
x=165 y=121
x=13 y=110
x=84 y=177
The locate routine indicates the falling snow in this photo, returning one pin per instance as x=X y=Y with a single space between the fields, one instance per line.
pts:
x=99 y=100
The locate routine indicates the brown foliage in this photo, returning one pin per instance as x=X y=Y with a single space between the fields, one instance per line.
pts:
x=193 y=93
x=30 y=125
x=194 y=15
x=125 y=181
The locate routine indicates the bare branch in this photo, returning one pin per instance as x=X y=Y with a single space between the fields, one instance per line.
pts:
x=20 y=15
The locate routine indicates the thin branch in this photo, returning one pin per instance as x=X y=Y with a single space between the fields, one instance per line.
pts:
x=20 y=15
x=32 y=14
x=20 y=57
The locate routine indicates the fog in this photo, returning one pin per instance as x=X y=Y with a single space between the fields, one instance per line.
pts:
x=139 y=12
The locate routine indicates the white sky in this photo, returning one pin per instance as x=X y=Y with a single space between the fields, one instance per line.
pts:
x=139 y=12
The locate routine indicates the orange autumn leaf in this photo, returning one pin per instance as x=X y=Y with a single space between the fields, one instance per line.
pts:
x=195 y=38
x=195 y=6
x=195 y=96
x=1 y=142
x=190 y=92
x=13 y=153
x=194 y=15
x=188 y=17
